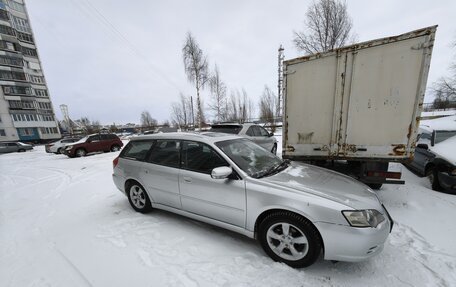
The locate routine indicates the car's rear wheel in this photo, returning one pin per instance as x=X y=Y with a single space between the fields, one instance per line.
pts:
x=138 y=198
x=115 y=148
x=59 y=150
x=274 y=149
x=81 y=152
x=375 y=186
x=290 y=238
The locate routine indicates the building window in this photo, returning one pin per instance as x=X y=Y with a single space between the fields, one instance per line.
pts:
x=41 y=93
x=4 y=15
x=2 y=133
x=16 y=6
x=26 y=132
x=5 y=45
x=24 y=37
x=16 y=90
x=11 y=61
x=7 y=30
x=37 y=79
x=29 y=52
x=21 y=24
x=11 y=75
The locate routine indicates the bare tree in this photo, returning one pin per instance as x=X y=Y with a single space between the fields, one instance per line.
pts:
x=90 y=127
x=147 y=121
x=196 y=68
x=232 y=112
x=268 y=104
x=445 y=89
x=218 y=93
x=327 y=26
x=181 y=112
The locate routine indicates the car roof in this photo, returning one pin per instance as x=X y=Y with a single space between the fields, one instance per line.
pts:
x=208 y=137
x=233 y=124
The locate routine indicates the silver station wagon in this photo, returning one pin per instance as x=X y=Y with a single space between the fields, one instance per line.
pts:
x=295 y=211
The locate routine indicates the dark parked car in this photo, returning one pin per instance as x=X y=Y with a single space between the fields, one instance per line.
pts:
x=93 y=143
x=434 y=158
x=6 y=147
x=253 y=132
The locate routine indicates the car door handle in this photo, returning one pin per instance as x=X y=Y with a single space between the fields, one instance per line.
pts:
x=187 y=179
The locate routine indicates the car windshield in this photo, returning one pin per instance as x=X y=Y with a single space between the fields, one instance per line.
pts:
x=83 y=140
x=251 y=158
x=229 y=129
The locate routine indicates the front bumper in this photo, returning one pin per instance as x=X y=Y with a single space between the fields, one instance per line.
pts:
x=352 y=244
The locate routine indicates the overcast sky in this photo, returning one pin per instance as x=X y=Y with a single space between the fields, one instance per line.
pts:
x=109 y=60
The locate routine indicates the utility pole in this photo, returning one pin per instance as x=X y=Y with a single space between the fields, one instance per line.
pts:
x=280 y=82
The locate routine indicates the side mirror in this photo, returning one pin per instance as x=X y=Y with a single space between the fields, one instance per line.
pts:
x=423 y=146
x=221 y=172
x=271 y=134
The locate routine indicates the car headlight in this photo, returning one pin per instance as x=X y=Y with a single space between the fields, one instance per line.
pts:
x=363 y=218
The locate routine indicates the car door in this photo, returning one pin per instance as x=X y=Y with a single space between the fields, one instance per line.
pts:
x=3 y=147
x=93 y=144
x=160 y=173
x=220 y=199
x=421 y=158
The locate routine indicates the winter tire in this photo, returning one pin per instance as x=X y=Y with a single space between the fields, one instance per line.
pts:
x=434 y=179
x=290 y=238
x=81 y=152
x=138 y=198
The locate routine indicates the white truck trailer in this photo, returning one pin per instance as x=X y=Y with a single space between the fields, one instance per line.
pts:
x=357 y=108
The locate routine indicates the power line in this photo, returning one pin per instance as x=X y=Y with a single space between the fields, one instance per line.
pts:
x=127 y=43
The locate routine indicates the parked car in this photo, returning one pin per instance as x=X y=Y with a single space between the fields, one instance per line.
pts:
x=296 y=211
x=435 y=158
x=254 y=132
x=6 y=147
x=93 y=143
x=57 y=147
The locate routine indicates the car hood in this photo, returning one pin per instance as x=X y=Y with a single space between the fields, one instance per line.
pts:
x=446 y=150
x=327 y=184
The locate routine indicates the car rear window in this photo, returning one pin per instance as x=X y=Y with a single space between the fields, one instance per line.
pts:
x=137 y=150
x=229 y=129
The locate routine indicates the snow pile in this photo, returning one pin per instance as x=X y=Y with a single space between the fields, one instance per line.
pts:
x=63 y=223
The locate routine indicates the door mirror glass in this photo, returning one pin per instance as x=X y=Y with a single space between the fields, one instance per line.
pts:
x=221 y=172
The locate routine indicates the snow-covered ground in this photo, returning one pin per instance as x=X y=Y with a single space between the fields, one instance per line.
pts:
x=63 y=223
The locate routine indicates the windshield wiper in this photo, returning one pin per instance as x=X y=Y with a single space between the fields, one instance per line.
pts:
x=274 y=169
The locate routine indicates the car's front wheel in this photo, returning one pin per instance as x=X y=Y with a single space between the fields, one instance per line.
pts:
x=290 y=238
x=434 y=179
x=81 y=152
x=138 y=198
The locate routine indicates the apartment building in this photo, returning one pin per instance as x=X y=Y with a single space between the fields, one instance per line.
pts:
x=26 y=110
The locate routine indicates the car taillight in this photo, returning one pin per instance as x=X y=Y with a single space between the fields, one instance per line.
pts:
x=115 y=162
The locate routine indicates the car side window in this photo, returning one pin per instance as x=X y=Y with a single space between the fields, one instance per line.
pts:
x=250 y=132
x=165 y=152
x=137 y=150
x=200 y=157
x=256 y=131
x=263 y=132
x=93 y=138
